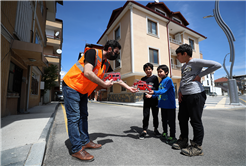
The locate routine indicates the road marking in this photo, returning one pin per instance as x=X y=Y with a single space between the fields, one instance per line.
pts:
x=221 y=103
x=65 y=117
x=242 y=100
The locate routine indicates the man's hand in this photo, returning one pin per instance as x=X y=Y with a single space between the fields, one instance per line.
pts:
x=180 y=97
x=108 y=84
x=148 y=96
x=151 y=92
x=197 y=78
x=132 y=89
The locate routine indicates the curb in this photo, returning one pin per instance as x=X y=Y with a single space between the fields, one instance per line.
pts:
x=37 y=151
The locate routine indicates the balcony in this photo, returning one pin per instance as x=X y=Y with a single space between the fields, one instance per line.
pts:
x=176 y=71
x=178 y=67
x=175 y=41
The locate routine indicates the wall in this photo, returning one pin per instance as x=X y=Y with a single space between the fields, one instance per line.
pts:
x=142 y=41
x=8 y=13
x=125 y=42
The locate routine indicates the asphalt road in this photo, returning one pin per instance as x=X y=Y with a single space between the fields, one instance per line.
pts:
x=116 y=127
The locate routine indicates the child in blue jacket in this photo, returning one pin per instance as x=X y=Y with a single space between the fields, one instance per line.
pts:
x=166 y=101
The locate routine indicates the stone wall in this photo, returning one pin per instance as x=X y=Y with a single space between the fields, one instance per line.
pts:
x=126 y=97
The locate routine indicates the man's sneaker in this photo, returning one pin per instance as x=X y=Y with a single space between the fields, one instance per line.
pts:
x=193 y=150
x=164 y=137
x=142 y=135
x=181 y=143
x=171 y=140
x=157 y=134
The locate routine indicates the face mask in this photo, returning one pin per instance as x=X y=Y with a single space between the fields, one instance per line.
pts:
x=111 y=56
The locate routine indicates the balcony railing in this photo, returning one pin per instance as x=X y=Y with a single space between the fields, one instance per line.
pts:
x=178 y=67
x=174 y=41
x=53 y=37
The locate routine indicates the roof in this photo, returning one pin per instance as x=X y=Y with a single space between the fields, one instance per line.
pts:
x=223 y=79
x=117 y=12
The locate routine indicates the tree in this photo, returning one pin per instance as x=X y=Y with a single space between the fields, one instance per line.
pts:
x=49 y=77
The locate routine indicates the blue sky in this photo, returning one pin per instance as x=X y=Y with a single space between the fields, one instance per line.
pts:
x=85 y=22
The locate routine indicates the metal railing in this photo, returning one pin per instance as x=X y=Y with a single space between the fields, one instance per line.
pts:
x=174 y=41
x=178 y=67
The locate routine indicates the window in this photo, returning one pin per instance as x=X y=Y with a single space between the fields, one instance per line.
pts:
x=191 y=42
x=15 y=78
x=123 y=89
x=207 y=82
x=152 y=27
x=37 y=39
x=153 y=56
x=41 y=7
x=34 y=86
x=11 y=77
x=117 y=61
x=111 y=89
x=177 y=20
x=117 y=33
x=160 y=11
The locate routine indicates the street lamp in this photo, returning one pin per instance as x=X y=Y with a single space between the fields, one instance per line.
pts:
x=234 y=100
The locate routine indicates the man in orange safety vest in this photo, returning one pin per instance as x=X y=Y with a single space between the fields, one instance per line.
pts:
x=77 y=85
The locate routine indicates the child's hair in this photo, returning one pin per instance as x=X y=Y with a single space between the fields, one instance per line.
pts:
x=164 y=68
x=113 y=44
x=184 y=48
x=146 y=65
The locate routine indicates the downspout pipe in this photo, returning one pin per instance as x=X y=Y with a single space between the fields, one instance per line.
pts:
x=132 y=44
x=168 y=42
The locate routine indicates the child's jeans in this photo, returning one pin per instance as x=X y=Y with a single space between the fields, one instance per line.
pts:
x=168 y=117
x=191 y=107
x=153 y=104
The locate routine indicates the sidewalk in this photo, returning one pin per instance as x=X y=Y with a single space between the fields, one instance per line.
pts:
x=24 y=136
x=218 y=102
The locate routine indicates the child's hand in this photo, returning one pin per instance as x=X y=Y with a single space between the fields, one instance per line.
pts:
x=151 y=92
x=148 y=96
x=197 y=78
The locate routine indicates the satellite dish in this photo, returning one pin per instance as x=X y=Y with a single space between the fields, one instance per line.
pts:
x=59 y=51
x=57 y=33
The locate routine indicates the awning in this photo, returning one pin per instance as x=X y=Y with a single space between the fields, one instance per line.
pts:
x=31 y=53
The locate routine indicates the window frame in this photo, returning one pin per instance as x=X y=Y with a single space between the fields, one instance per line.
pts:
x=117 y=27
x=157 y=27
x=190 y=38
x=158 y=55
x=160 y=11
x=177 y=20
x=118 y=67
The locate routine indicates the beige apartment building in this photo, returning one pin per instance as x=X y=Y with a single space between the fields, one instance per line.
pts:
x=53 y=52
x=148 y=33
x=23 y=39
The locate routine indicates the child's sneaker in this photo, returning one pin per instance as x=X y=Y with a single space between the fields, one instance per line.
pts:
x=180 y=143
x=193 y=150
x=157 y=133
x=142 y=135
x=171 y=140
x=164 y=137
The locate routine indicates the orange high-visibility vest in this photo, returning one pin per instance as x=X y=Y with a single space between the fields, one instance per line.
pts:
x=75 y=78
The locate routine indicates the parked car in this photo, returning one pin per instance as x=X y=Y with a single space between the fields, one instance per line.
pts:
x=112 y=76
x=212 y=94
x=59 y=96
x=142 y=85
